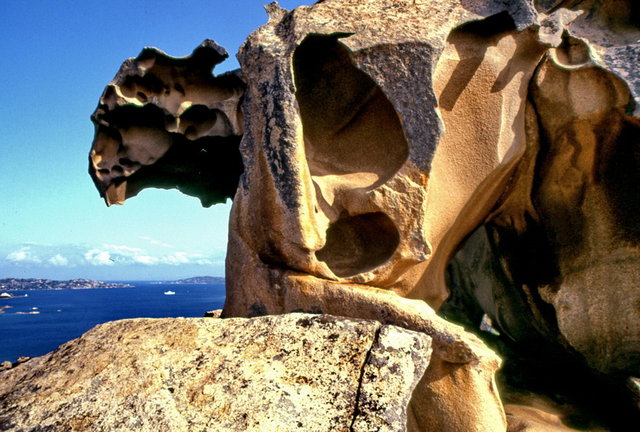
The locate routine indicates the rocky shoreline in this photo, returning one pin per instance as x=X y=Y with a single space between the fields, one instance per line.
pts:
x=6 y=365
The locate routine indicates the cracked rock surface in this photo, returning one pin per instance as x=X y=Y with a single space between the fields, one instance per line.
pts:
x=295 y=372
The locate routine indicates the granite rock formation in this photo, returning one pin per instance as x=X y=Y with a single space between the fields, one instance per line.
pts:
x=476 y=157
x=289 y=373
x=166 y=122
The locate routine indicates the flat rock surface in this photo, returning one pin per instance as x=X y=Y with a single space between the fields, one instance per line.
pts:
x=276 y=373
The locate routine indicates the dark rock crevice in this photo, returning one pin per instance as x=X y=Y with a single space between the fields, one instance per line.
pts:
x=358 y=395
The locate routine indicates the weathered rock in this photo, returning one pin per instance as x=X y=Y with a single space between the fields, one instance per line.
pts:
x=555 y=266
x=166 y=122
x=379 y=136
x=537 y=358
x=213 y=314
x=288 y=373
x=6 y=365
x=341 y=168
x=634 y=385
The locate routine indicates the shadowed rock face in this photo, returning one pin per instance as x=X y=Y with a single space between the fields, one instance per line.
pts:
x=168 y=123
x=556 y=264
x=401 y=153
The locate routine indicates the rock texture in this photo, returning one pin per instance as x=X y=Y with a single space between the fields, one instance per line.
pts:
x=289 y=373
x=555 y=265
x=380 y=138
x=166 y=122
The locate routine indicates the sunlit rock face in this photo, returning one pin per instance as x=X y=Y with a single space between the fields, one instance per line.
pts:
x=167 y=122
x=399 y=153
x=357 y=180
x=288 y=373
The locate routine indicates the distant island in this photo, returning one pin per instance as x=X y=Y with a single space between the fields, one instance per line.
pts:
x=202 y=280
x=14 y=284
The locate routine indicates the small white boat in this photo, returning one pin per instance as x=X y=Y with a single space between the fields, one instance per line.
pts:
x=169 y=292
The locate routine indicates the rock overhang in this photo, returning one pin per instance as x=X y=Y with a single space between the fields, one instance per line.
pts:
x=167 y=122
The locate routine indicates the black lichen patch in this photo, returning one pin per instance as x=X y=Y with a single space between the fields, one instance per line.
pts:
x=278 y=143
x=256 y=310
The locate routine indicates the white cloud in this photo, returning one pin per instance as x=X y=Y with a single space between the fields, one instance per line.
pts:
x=58 y=260
x=33 y=243
x=145 y=259
x=105 y=255
x=23 y=255
x=176 y=258
x=98 y=257
x=173 y=259
x=123 y=249
x=16 y=256
x=155 y=242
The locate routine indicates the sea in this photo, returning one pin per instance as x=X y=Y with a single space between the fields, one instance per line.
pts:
x=42 y=320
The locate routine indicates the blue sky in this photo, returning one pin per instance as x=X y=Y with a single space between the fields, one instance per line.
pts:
x=55 y=59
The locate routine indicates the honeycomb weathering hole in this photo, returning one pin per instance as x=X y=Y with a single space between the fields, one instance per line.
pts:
x=349 y=124
x=356 y=244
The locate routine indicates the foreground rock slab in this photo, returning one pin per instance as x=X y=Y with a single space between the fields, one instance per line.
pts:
x=292 y=372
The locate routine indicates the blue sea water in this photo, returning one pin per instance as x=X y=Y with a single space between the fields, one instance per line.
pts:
x=67 y=314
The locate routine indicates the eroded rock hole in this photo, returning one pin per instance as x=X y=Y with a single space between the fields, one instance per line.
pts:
x=349 y=124
x=127 y=162
x=356 y=244
x=199 y=120
x=117 y=170
x=145 y=85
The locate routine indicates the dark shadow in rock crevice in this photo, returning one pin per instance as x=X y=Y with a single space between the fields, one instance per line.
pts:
x=356 y=244
x=208 y=168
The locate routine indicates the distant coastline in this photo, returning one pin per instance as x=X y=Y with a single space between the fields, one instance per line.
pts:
x=201 y=280
x=16 y=284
